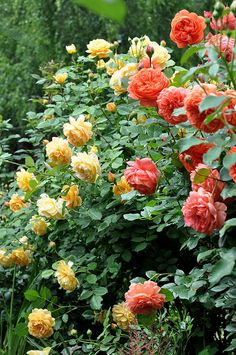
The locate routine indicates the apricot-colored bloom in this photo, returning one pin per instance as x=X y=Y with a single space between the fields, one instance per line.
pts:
x=60 y=78
x=44 y=351
x=86 y=166
x=170 y=99
x=191 y=157
x=223 y=44
x=58 y=151
x=229 y=111
x=142 y=175
x=17 y=202
x=196 y=118
x=78 y=132
x=99 y=48
x=71 y=49
x=50 y=208
x=111 y=176
x=187 y=28
x=212 y=182
x=122 y=187
x=111 y=107
x=72 y=199
x=118 y=78
x=66 y=276
x=113 y=65
x=232 y=169
x=5 y=259
x=144 y=298
x=123 y=316
x=40 y=323
x=38 y=225
x=23 y=179
x=227 y=22
x=146 y=85
x=21 y=257
x=202 y=213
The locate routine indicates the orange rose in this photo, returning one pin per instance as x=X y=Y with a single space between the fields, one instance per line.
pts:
x=187 y=28
x=191 y=157
x=72 y=197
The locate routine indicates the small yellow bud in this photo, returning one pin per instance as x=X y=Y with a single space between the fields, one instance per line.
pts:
x=111 y=107
x=60 y=78
x=71 y=49
x=111 y=177
x=45 y=142
x=51 y=244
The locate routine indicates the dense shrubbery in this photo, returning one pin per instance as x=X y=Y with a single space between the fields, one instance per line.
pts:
x=98 y=202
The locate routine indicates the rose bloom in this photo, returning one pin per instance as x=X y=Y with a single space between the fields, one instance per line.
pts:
x=146 y=63
x=187 y=28
x=170 y=99
x=20 y=257
x=5 y=259
x=71 y=49
x=203 y=214
x=23 y=179
x=232 y=169
x=111 y=107
x=229 y=112
x=138 y=46
x=72 y=199
x=146 y=85
x=191 y=157
x=101 y=64
x=17 y=202
x=66 y=276
x=223 y=44
x=39 y=225
x=51 y=208
x=117 y=79
x=196 y=118
x=227 y=22
x=58 y=151
x=113 y=65
x=78 y=132
x=122 y=187
x=99 y=48
x=123 y=317
x=60 y=78
x=40 y=323
x=160 y=55
x=142 y=175
x=44 y=351
x=86 y=166
x=144 y=298
x=212 y=182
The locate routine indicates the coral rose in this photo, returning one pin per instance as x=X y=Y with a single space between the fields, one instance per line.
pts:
x=51 y=208
x=44 y=351
x=40 y=323
x=123 y=316
x=211 y=183
x=197 y=118
x=187 y=28
x=122 y=187
x=227 y=22
x=232 y=169
x=23 y=179
x=224 y=45
x=86 y=166
x=5 y=259
x=58 y=151
x=66 y=276
x=170 y=99
x=118 y=79
x=142 y=175
x=21 y=257
x=60 y=78
x=146 y=85
x=99 y=48
x=17 y=202
x=203 y=214
x=72 y=199
x=38 y=225
x=191 y=157
x=144 y=298
x=78 y=132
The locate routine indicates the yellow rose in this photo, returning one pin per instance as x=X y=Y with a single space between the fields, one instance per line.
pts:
x=44 y=351
x=101 y=64
x=66 y=276
x=113 y=65
x=60 y=78
x=23 y=179
x=111 y=107
x=17 y=202
x=21 y=257
x=58 y=151
x=123 y=316
x=138 y=46
x=78 y=132
x=99 y=48
x=5 y=260
x=38 y=225
x=71 y=49
x=86 y=166
x=124 y=73
x=50 y=207
x=160 y=55
x=40 y=323
x=72 y=198
x=122 y=187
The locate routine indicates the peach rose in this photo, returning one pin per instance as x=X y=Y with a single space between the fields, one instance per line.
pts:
x=17 y=202
x=78 y=132
x=111 y=107
x=38 y=225
x=66 y=276
x=146 y=85
x=223 y=44
x=5 y=259
x=202 y=213
x=191 y=157
x=21 y=257
x=86 y=166
x=144 y=298
x=50 y=207
x=99 y=48
x=187 y=28
x=72 y=197
x=40 y=323
x=23 y=179
x=122 y=187
x=142 y=175
x=58 y=151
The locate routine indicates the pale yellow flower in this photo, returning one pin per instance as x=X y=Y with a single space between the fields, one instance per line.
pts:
x=71 y=49
x=122 y=187
x=113 y=65
x=160 y=55
x=124 y=73
x=138 y=46
x=23 y=179
x=5 y=259
x=21 y=257
x=78 y=132
x=17 y=202
x=58 y=151
x=86 y=166
x=24 y=240
x=40 y=323
x=60 y=78
x=39 y=225
x=72 y=199
x=44 y=351
x=123 y=316
x=99 y=48
x=66 y=276
x=51 y=208
x=101 y=64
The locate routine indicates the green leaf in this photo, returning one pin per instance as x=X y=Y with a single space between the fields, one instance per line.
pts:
x=185 y=143
x=29 y=162
x=96 y=302
x=141 y=246
x=169 y=295
x=47 y=273
x=201 y=175
x=228 y=224
x=100 y=291
x=229 y=191
x=214 y=70
x=92 y=279
x=211 y=101
x=232 y=346
x=86 y=294
x=229 y=160
x=21 y=329
x=114 y=9
x=31 y=295
x=146 y=320
x=205 y=254
x=179 y=111
x=211 y=155
x=94 y=214
x=65 y=317
x=131 y=216
x=223 y=267
x=189 y=53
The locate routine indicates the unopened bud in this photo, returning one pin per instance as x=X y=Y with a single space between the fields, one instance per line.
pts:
x=111 y=177
x=111 y=107
x=45 y=142
x=89 y=333
x=51 y=244
x=73 y=332
x=215 y=15
x=141 y=119
x=163 y=43
x=91 y=75
x=188 y=158
x=182 y=132
x=149 y=50
x=219 y=6
x=201 y=77
x=113 y=326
